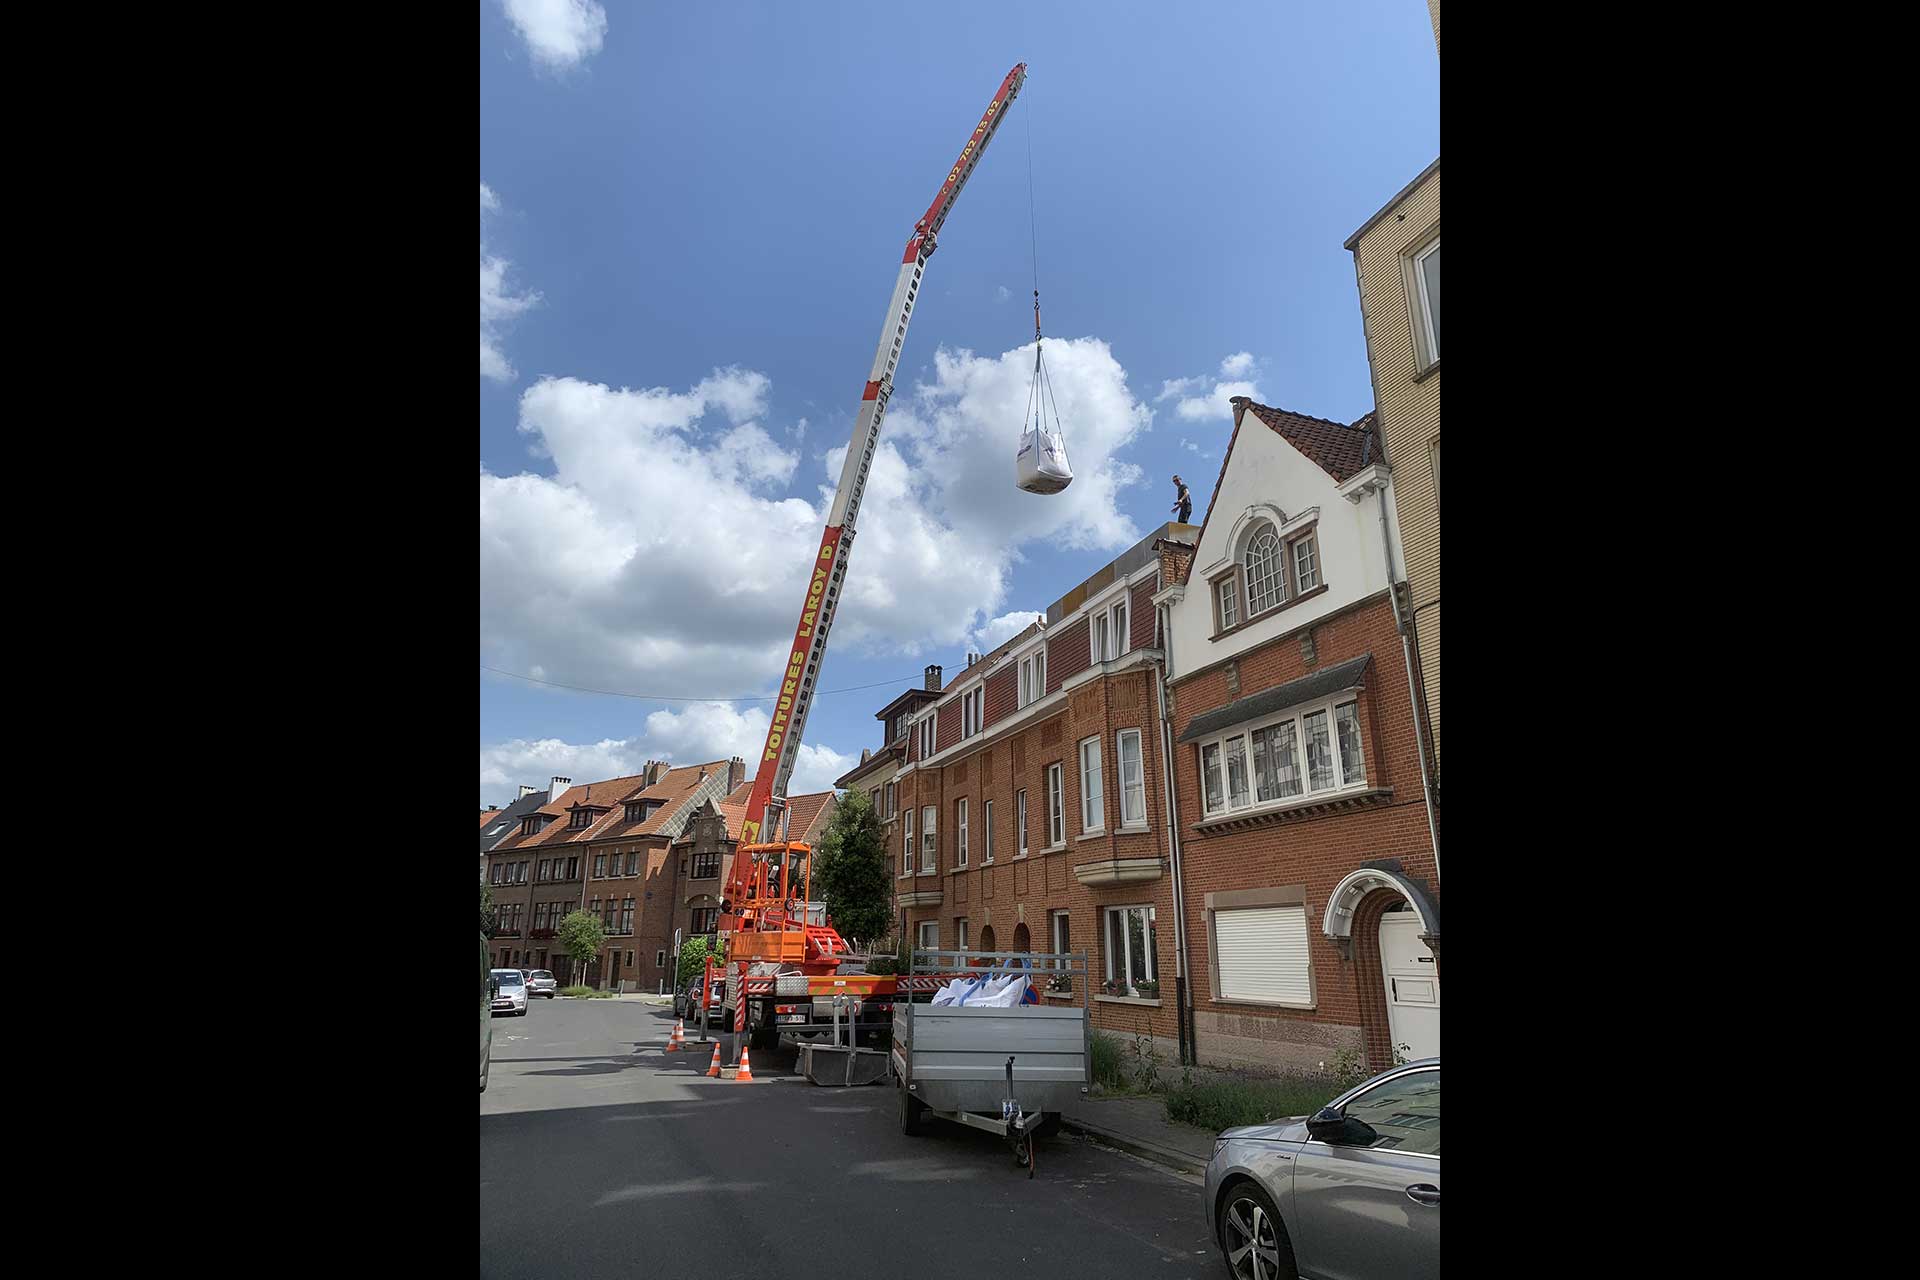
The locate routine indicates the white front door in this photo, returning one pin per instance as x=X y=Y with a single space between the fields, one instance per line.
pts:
x=1413 y=986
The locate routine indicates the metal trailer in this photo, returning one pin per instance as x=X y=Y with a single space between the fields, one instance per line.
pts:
x=1010 y=1072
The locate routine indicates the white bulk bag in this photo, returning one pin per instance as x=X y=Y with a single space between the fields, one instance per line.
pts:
x=1041 y=464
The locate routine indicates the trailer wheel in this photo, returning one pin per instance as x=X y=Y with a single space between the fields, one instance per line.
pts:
x=912 y=1110
x=1048 y=1126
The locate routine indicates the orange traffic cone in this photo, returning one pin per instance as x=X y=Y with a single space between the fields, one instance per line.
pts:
x=675 y=1042
x=746 y=1067
x=713 y=1069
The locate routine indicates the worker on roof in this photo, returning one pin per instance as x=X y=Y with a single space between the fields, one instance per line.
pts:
x=1183 y=501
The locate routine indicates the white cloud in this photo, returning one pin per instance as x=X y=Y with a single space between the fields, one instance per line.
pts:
x=1001 y=293
x=498 y=302
x=701 y=732
x=1206 y=397
x=665 y=554
x=997 y=631
x=559 y=33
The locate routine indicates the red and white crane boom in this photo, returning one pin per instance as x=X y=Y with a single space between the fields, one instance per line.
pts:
x=827 y=572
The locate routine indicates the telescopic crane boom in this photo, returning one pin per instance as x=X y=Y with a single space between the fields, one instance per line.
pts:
x=754 y=902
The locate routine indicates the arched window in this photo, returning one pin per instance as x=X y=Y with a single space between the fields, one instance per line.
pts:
x=1266 y=573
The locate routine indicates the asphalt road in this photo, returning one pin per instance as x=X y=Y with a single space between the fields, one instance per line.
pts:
x=603 y=1155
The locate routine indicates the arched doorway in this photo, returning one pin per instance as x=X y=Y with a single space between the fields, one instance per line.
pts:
x=1387 y=926
x=1022 y=940
x=986 y=938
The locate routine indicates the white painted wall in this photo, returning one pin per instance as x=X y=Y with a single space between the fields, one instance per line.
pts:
x=1267 y=471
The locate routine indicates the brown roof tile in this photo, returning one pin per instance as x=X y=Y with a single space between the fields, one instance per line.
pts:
x=803 y=812
x=488 y=815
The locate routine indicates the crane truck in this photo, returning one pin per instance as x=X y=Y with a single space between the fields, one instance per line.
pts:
x=786 y=962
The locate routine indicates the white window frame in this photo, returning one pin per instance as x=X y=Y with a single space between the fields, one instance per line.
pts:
x=1139 y=787
x=906 y=847
x=1246 y=733
x=959 y=833
x=1120 y=628
x=1277 y=565
x=986 y=832
x=893 y=801
x=929 y=839
x=1097 y=628
x=927 y=734
x=1033 y=677
x=927 y=943
x=1424 y=305
x=1054 y=920
x=1311 y=541
x=1226 y=601
x=1126 y=940
x=1099 y=805
x=1020 y=823
x=1056 y=805
x=972 y=711
x=960 y=933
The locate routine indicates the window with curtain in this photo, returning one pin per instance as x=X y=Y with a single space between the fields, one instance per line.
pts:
x=1133 y=787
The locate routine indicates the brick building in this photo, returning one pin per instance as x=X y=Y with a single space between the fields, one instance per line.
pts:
x=631 y=875
x=1032 y=798
x=575 y=852
x=878 y=771
x=1308 y=872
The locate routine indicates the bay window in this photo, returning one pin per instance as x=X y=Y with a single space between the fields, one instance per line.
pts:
x=1264 y=765
x=906 y=846
x=929 y=850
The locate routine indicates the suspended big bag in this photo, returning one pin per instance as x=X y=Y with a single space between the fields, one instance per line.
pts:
x=1041 y=464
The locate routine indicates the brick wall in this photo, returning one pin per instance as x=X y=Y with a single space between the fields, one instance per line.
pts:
x=949 y=731
x=1068 y=654
x=1315 y=851
x=1140 y=615
x=1003 y=690
x=1012 y=891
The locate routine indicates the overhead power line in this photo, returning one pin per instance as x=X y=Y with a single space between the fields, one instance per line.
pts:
x=682 y=697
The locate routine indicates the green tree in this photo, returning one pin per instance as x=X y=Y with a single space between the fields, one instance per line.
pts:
x=693 y=958
x=581 y=936
x=850 y=872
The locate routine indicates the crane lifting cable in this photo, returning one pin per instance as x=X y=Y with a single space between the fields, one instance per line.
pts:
x=1041 y=463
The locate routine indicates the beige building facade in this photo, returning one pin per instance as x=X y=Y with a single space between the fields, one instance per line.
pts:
x=1396 y=257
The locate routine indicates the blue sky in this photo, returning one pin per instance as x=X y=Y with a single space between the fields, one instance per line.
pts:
x=691 y=219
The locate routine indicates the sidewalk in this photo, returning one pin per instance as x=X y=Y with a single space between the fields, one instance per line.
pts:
x=1140 y=1126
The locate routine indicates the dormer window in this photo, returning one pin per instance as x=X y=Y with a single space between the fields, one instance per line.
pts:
x=580 y=818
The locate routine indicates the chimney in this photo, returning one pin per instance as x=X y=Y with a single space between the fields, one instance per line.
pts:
x=866 y=754
x=557 y=788
x=972 y=658
x=525 y=791
x=933 y=677
x=654 y=771
x=736 y=773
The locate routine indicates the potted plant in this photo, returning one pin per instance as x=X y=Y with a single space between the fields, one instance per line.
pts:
x=1113 y=988
x=1060 y=982
x=1148 y=990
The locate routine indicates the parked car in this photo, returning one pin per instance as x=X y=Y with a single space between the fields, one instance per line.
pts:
x=1353 y=1190
x=686 y=1001
x=486 y=1013
x=541 y=983
x=511 y=995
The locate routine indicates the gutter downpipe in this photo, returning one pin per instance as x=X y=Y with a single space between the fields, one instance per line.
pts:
x=1189 y=1051
x=1400 y=622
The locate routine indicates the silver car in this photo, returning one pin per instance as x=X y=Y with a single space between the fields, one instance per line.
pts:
x=541 y=983
x=511 y=995
x=1349 y=1193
